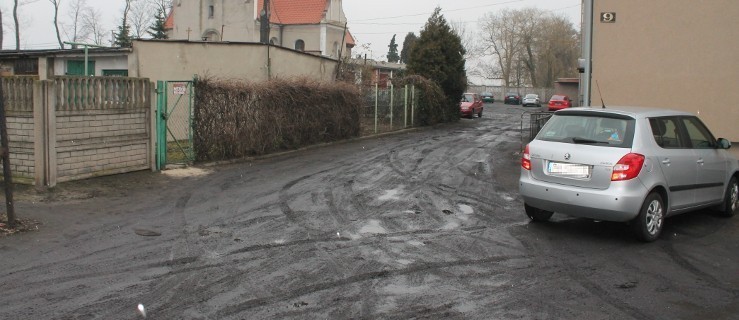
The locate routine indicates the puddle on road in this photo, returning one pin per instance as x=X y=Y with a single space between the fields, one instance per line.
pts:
x=466 y=209
x=372 y=226
x=507 y=197
x=405 y=262
x=416 y=243
x=391 y=194
x=280 y=241
x=450 y=225
x=397 y=289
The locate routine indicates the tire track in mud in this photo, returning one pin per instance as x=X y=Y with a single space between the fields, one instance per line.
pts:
x=688 y=266
x=540 y=253
x=357 y=278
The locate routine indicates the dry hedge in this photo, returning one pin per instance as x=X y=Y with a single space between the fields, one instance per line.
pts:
x=234 y=119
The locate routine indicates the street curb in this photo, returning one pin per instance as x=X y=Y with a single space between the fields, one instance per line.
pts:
x=288 y=152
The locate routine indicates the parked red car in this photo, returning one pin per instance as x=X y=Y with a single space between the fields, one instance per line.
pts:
x=558 y=102
x=470 y=105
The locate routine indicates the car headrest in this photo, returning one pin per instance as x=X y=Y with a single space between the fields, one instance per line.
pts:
x=658 y=127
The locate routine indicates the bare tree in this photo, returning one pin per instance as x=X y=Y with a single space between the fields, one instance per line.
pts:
x=501 y=39
x=2 y=30
x=164 y=5
x=91 y=22
x=141 y=15
x=558 y=50
x=76 y=30
x=56 y=4
x=529 y=47
x=469 y=39
x=17 y=29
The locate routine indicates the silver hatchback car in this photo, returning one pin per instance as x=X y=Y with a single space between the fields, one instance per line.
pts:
x=627 y=164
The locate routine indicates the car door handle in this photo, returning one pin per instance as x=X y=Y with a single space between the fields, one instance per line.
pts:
x=700 y=161
x=666 y=162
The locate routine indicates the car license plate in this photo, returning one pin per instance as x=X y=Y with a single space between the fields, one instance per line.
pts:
x=569 y=169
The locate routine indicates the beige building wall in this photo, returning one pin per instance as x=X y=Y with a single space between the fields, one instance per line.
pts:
x=678 y=54
x=233 y=20
x=181 y=60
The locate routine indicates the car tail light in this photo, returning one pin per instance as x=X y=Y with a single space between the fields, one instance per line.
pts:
x=628 y=167
x=526 y=159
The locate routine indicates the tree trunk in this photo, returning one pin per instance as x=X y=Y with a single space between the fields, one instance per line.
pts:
x=17 y=29
x=530 y=65
x=56 y=24
x=1 y=29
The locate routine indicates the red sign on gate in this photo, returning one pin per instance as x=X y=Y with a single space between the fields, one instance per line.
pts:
x=179 y=88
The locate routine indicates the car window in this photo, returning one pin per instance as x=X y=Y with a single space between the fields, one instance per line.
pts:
x=468 y=98
x=531 y=96
x=557 y=98
x=579 y=128
x=700 y=136
x=665 y=132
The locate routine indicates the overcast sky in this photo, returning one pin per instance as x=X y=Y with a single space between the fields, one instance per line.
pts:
x=371 y=22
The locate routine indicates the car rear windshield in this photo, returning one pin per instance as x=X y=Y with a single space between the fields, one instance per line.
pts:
x=557 y=98
x=531 y=96
x=468 y=98
x=610 y=130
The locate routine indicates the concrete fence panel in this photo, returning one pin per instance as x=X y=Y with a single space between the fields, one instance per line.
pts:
x=72 y=128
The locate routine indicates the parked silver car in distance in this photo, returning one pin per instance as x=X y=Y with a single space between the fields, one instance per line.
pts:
x=628 y=164
x=531 y=100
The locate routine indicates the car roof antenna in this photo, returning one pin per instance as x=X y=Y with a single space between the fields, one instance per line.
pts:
x=600 y=94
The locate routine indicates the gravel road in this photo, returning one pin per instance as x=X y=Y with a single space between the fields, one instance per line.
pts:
x=422 y=224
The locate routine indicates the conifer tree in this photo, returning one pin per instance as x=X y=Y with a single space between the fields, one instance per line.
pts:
x=439 y=55
x=392 y=54
x=157 y=30
x=410 y=40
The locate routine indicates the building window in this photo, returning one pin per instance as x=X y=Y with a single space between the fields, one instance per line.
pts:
x=26 y=67
x=211 y=12
x=300 y=45
x=115 y=73
x=211 y=35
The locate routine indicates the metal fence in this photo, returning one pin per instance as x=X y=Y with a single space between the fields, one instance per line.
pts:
x=389 y=109
x=531 y=124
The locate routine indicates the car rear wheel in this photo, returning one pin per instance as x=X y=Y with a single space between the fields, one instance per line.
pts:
x=536 y=214
x=648 y=224
x=731 y=200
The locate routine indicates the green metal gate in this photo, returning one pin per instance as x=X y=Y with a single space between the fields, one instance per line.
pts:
x=174 y=123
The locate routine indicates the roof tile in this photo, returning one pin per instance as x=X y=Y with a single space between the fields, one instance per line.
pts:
x=296 y=11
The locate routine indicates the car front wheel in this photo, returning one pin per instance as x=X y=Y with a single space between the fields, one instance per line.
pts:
x=648 y=224
x=536 y=214
x=731 y=200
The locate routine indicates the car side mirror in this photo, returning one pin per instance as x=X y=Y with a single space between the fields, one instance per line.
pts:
x=723 y=143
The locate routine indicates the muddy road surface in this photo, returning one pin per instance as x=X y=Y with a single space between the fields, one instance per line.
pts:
x=422 y=224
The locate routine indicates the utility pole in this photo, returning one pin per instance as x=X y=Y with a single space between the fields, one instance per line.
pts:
x=264 y=23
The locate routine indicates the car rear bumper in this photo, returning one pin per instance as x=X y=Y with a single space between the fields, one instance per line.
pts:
x=620 y=202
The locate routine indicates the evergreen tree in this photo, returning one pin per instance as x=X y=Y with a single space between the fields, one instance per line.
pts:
x=392 y=54
x=439 y=55
x=410 y=40
x=123 y=36
x=157 y=30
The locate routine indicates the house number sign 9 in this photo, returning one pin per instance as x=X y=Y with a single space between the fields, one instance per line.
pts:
x=608 y=17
